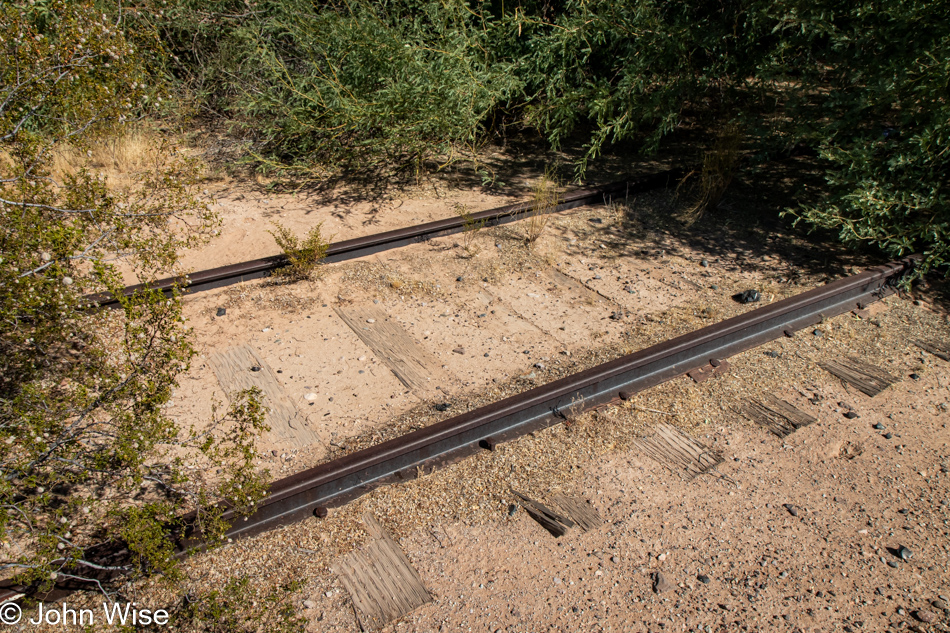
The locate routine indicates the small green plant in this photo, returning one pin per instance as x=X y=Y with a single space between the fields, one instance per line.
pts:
x=545 y=198
x=303 y=257
x=471 y=230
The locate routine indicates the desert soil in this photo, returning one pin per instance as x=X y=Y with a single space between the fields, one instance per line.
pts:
x=793 y=534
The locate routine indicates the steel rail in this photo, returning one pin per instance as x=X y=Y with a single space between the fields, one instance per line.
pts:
x=379 y=242
x=338 y=481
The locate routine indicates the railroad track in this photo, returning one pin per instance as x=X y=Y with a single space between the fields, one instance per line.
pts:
x=379 y=242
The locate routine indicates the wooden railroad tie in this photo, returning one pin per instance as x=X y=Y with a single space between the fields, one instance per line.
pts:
x=380 y=579
x=776 y=415
x=866 y=378
x=574 y=512
x=678 y=452
x=940 y=349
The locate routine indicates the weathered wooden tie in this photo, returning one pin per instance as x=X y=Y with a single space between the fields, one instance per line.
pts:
x=776 y=415
x=940 y=349
x=380 y=579
x=678 y=452
x=866 y=378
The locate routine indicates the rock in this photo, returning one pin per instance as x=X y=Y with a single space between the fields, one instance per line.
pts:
x=879 y=427
x=512 y=508
x=459 y=350
x=703 y=578
x=221 y=312
x=597 y=277
x=442 y=406
x=891 y=563
x=614 y=559
x=914 y=377
x=925 y=616
x=310 y=396
x=661 y=584
x=939 y=604
x=704 y=263
x=749 y=296
x=792 y=510
x=255 y=368
x=851 y=415
x=308 y=604
x=714 y=287
x=459 y=278
x=371 y=320
x=888 y=436
x=904 y=553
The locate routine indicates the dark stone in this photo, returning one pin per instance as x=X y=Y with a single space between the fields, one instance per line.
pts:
x=221 y=312
x=903 y=510
x=891 y=563
x=851 y=415
x=704 y=263
x=703 y=578
x=255 y=368
x=442 y=406
x=772 y=354
x=512 y=508
x=748 y=296
x=888 y=436
x=925 y=616
x=914 y=377
x=879 y=426
x=792 y=510
x=904 y=553
x=714 y=287
x=459 y=278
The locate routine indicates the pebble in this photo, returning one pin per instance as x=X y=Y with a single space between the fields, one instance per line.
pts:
x=459 y=278
x=221 y=312
x=442 y=406
x=255 y=368
x=459 y=350
x=614 y=559
x=714 y=287
x=308 y=604
x=851 y=415
x=371 y=320
x=703 y=578
x=879 y=426
x=267 y=329
x=888 y=436
x=597 y=276
x=925 y=616
x=512 y=508
x=661 y=584
x=704 y=263
x=749 y=296
x=914 y=377
x=904 y=553
x=891 y=563
x=792 y=510
x=939 y=604
x=310 y=396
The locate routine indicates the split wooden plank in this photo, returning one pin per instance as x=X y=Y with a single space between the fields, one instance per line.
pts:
x=866 y=378
x=776 y=415
x=411 y=364
x=579 y=511
x=241 y=368
x=556 y=524
x=578 y=288
x=678 y=452
x=380 y=579
x=940 y=349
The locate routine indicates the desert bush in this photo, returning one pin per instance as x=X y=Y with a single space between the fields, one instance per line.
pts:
x=87 y=451
x=303 y=256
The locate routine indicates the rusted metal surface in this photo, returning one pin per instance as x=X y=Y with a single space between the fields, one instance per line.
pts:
x=379 y=242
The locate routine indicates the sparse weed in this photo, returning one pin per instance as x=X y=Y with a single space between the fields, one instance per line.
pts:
x=546 y=197
x=471 y=230
x=304 y=257
x=719 y=168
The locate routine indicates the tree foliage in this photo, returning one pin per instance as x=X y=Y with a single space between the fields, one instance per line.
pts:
x=347 y=83
x=87 y=451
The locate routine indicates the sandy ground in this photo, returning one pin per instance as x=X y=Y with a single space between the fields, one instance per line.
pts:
x=601 y=282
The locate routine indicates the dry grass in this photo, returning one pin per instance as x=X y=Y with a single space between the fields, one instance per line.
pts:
x=719 y=168
x=119 y=158
x=546 y=197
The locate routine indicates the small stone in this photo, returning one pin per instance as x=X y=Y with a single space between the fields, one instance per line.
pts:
x=888 y=436
x=891 y=563
x=459 y=350
x=597 y=277
x=925 y=616
x=616 y=559
x=939 y=604
x=512 y=508
x=714 y=287
x=879 y=426
x=903 y=511
x=703 y=578
x=817 y=332
x=371 y=320
x=255 y=368
x=310 y=397
x=308 y=604
x=904 y=553
x=661 y=584
x=221 y=312
x=459 y=278
x=792 y=510
x=442 y=406
x=914 y=377
x=267 y=329
x=851 y=415
x=704 y=263
x=749 y=296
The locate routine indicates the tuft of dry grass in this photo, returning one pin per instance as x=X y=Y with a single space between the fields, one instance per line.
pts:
x=719 y=168
x=546 y=197
x=117 y=157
